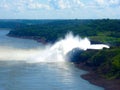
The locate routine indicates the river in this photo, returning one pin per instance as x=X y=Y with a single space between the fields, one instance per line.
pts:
x=16 y=73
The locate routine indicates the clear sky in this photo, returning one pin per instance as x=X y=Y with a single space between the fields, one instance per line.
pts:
x=59 y=9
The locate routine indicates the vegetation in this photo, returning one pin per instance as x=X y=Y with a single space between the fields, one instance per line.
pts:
x=105 y=31
x=106 y=62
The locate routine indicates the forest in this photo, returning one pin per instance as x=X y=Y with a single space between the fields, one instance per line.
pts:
x=105 y=62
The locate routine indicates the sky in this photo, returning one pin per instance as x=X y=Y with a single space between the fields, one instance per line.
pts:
x=59 y=9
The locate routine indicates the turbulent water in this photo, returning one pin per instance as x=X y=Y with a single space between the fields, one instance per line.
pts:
x=28 y=65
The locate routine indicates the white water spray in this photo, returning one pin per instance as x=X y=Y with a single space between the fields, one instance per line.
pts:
x=51 y=53
x=59 y=50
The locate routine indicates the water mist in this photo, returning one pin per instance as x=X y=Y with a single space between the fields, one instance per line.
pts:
x=50 y=53
x=58 y=51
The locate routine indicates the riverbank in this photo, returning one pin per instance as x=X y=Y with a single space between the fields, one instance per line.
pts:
x=98 y=80
x=40 y=40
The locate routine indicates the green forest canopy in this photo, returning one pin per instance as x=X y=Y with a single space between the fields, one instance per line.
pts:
x=106 y=31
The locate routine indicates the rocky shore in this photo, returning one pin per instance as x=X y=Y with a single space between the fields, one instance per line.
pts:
x=98 y=80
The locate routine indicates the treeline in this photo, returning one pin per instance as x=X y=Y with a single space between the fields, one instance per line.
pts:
x=105 y=62
x=20 y=23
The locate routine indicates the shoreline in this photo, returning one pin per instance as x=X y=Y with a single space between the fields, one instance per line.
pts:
x=39 y=40
x=98 y=80
x=91 y=76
